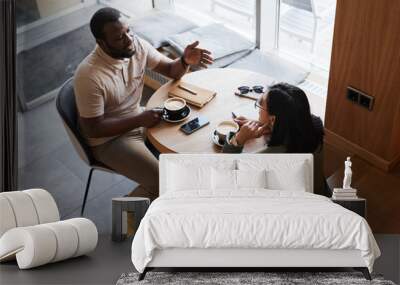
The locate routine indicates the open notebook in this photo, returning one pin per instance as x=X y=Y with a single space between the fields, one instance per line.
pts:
x=193 y=94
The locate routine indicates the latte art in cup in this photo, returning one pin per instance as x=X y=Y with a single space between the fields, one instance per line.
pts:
x=174 y=104
x=175 y=109
x=224 y=128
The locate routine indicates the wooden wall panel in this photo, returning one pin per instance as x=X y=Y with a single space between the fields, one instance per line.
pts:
x=366 y=55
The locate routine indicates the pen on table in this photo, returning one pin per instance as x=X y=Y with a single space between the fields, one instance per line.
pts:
x=187 y=89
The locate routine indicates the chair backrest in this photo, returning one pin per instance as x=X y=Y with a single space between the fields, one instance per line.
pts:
x=66 y=107
x=27 y=208
x=300 y=4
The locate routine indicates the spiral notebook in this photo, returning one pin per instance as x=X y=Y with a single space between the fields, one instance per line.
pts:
x=193 y=94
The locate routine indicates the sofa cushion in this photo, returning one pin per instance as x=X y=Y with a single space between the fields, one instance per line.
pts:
x=216 y=38
x=273 y=66
x=27 y=208
x=7 y=216
x=157 y=26
x=40 y=244
x=23 y=208
x=45 y=205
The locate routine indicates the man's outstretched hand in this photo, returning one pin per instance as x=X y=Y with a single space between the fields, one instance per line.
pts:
x=196 y=56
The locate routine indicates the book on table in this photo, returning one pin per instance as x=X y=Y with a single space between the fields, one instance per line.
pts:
x=336 y=197
x=344 y=194
x=342 y=190
x=193 y=94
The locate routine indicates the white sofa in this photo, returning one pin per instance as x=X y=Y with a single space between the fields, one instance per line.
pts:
x=247 y=210
x=31 y=231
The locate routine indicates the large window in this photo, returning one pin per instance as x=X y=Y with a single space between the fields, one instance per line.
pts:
x=306 y=31
x=30 y=11
x=301 y=32
x=133 y=8
x=45 y=59
x=239 y=15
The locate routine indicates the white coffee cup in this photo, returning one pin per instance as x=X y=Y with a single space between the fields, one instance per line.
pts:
x=224 y=128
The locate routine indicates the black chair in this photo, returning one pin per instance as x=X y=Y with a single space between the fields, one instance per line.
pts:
x=66 y=107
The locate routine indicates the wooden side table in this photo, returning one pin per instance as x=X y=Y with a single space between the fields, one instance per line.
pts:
x=121 y=207
x=358 y=206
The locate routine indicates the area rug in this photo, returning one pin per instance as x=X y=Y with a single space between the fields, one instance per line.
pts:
x=243 y=278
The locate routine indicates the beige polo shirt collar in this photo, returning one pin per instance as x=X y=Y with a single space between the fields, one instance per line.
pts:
x=115 y=63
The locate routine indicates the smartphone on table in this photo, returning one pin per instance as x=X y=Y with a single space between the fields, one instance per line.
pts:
x=194 y=125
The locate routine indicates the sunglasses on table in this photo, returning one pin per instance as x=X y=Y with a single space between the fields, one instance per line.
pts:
x=247 y=89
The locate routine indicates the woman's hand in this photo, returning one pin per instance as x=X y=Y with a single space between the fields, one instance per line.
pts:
x=241 y=120
x=251 y=130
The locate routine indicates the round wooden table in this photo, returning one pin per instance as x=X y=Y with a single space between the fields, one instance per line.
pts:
x=167 y=138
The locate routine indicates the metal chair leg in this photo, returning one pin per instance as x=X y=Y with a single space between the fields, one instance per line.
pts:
x=87 y=190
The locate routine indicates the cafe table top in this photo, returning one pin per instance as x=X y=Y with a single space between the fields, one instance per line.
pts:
x=168 y=138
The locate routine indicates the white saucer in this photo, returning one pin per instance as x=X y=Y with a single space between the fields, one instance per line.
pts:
x=215 y=139
x=178 y=120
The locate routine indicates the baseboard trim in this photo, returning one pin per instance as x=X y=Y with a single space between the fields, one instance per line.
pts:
x=339 y=142
x=41 y=100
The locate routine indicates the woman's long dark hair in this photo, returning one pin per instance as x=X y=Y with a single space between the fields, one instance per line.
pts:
x=294 y=127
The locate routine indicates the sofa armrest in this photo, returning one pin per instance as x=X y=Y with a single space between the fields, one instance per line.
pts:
x=37 y=245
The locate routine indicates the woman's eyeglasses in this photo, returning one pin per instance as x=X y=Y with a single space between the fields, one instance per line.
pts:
x=246 y=89
x=257 y=104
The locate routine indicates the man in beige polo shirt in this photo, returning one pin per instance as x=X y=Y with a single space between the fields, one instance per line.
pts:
x=108 y=86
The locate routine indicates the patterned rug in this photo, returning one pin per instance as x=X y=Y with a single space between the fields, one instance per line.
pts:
x=243 y=278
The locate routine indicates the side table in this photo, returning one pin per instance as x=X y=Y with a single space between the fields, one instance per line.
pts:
x=358 y=205
x=121 y=207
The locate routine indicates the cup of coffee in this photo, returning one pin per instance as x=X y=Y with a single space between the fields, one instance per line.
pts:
x=224 y=128
x=174 y=107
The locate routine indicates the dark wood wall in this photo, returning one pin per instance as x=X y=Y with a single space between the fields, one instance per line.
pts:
x=366 y=55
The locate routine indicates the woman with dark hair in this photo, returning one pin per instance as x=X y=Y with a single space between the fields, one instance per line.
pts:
x=286 y=121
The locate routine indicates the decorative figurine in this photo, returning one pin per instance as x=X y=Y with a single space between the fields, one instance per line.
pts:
x=347 y=174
